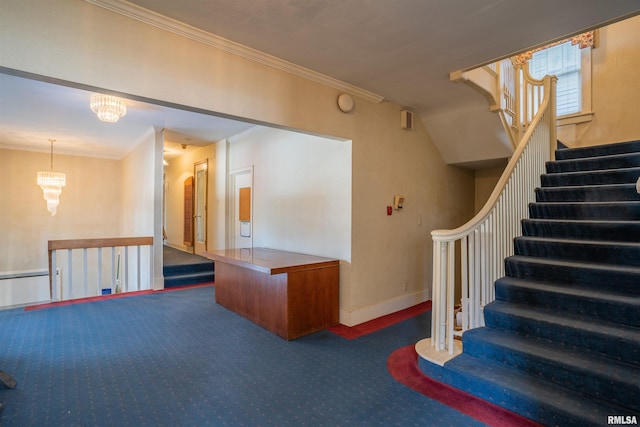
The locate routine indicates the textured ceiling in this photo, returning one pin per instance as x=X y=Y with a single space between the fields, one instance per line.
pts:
x=402 y=50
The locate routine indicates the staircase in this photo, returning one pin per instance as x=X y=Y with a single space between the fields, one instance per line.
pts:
x=182 y=268
x=561 y=343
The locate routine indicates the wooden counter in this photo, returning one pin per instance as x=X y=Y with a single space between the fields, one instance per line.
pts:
x=287 y=293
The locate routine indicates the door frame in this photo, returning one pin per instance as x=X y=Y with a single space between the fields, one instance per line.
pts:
x=199 y=247
x=233 y=201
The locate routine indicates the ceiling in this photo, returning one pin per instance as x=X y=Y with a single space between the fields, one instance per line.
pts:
x=401 y=50
x=32 y=112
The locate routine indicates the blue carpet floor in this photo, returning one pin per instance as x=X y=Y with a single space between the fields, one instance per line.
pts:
x=179 y=359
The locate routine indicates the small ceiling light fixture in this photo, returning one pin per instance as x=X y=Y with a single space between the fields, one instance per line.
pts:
x=51 y=183
x=108 y=108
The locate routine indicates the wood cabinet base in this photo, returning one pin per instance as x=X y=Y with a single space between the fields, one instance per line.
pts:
x=289 y=294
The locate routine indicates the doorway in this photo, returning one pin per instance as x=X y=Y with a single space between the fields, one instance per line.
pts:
x=241 y=203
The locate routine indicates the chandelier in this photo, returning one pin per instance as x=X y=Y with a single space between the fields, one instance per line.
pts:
x=108 y=108
x=51 y=183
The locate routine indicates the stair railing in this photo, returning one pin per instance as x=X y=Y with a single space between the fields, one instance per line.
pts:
x=117 y=271
x=520 y=97
x=507 y=95
x=511 y=92
x=475 y=252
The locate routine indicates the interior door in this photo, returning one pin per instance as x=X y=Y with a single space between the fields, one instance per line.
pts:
x=188 y=213
x=200 y=207
x=241 y=200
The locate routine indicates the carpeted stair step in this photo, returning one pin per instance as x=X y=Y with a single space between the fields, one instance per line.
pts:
x=561 y=342
x=605 y=339
x=591 y=251
x=615 y=161
x=603 y=177
x=623 y=231
x=588 y=193
x=598 y=150
x=188 y=279
x=612 y=211
x=614 y=278
x=577 y=370
x=528 y=396
x=178 y=269
x=594 y=304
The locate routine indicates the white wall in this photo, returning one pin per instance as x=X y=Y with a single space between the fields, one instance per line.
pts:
x=218 y=202
x=301 y=192
x=138 y=189
x=139 y=200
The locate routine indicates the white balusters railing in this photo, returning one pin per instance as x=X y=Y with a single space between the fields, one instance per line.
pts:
x=117 y=269
x=476 y=251
x=511 y=91
x=520 y=97
x=507 y=96
x=531 y=92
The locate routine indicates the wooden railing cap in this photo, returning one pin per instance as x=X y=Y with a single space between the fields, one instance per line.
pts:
x=99 y=243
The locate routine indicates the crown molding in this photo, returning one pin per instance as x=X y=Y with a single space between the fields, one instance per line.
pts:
x=253 y=129
x=141 y=14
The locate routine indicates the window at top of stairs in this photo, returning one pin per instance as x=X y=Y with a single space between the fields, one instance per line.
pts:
x=572 y=66
x=564 y=61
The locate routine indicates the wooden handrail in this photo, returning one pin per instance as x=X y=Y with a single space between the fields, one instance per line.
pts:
x=457 y=233
x=109 y=242
x=99 y=243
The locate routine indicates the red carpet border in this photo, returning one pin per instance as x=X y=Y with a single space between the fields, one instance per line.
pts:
x=110 y=296
x=353 y=332
x=403 y=366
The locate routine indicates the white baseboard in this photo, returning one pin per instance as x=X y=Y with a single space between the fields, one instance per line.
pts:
x=378 y=310
x=158 y=283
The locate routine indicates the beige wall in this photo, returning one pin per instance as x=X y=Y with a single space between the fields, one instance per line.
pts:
x=90 y=205
x=64 y=40
x=615 y=87
x=485 y=183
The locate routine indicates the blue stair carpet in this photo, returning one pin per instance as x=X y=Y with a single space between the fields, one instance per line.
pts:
x=561 y=344
x=181 y=268
x=179 y=359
